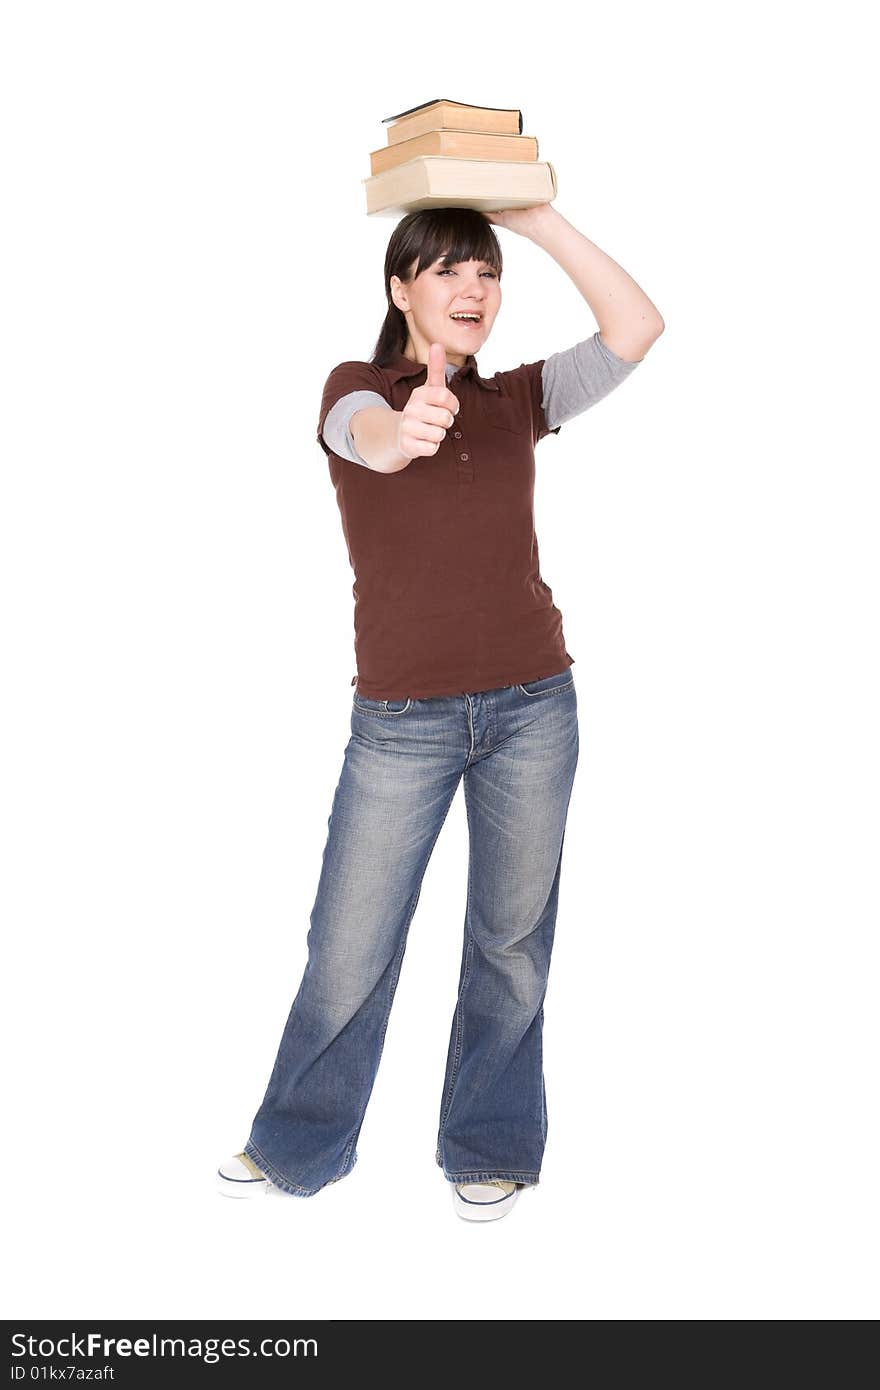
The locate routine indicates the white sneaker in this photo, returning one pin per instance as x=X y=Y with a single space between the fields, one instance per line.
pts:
x=240 y=1177
x=484 y=1201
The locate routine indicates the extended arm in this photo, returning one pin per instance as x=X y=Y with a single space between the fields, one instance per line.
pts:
x=362 y=426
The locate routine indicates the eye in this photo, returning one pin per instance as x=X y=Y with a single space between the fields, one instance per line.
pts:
x=490 y=273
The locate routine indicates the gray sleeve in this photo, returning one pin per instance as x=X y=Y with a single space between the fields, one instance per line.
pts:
x=580 y=376
x=337 y=429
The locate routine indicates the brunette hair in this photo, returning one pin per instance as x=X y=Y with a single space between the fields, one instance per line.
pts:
x=431 y=234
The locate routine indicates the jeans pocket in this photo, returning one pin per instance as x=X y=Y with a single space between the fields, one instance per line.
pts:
x=363 y=705
x=548 y=685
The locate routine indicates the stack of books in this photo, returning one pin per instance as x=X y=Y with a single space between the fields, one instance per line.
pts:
x=448 y=154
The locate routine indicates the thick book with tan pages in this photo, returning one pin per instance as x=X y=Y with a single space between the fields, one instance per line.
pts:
x=452 y=144
x=437 y=181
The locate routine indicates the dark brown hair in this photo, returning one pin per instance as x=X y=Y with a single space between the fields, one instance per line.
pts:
x=432 y=234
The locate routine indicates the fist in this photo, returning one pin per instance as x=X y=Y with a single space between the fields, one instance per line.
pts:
x=430 y=410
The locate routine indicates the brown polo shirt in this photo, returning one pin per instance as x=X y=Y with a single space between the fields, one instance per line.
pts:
x=448 y=592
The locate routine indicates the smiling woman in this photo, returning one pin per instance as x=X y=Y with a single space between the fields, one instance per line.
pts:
x=465 y=294
x=461 y=254
x=462 y=675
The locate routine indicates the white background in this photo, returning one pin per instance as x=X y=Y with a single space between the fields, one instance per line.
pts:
x=186 y=256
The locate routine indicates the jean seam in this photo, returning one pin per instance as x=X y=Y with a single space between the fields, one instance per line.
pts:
x=382 y=714
x=541 y=694
x=459 y=1036
x=488 y=1174
x=296 y=1189
x=459 y=1010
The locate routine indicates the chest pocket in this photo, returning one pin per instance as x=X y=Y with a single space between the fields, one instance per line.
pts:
x=503 y=413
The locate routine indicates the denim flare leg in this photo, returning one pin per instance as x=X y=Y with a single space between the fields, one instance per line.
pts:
x=517 y=748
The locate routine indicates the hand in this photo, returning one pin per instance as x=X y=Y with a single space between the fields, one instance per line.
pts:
x=429 y=412
x=525 y=221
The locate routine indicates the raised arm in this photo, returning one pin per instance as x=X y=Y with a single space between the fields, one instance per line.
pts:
x=628 y=322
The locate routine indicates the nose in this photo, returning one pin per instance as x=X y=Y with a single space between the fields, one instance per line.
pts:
x=473 y=294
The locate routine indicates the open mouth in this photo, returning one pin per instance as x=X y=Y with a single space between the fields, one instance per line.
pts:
x=467 y=320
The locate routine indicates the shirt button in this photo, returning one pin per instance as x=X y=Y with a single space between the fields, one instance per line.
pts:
x=465 y=457
x=457 y=434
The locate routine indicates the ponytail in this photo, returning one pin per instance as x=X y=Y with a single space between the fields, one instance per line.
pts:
x=392 y=337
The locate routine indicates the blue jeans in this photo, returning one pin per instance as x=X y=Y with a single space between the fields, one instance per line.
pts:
x=517 y=748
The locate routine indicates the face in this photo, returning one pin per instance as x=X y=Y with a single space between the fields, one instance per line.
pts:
x=441 y=290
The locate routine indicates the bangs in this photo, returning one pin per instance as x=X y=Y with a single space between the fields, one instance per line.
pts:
x=458 y=234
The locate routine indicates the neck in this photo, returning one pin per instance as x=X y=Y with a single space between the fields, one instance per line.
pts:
x=420 y=354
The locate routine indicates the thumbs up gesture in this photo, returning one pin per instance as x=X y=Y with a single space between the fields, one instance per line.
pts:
x=430 y=410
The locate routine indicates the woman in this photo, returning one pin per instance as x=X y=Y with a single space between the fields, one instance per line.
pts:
x=462 y=672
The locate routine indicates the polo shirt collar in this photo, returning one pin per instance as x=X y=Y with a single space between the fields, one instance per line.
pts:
x=401 y=366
